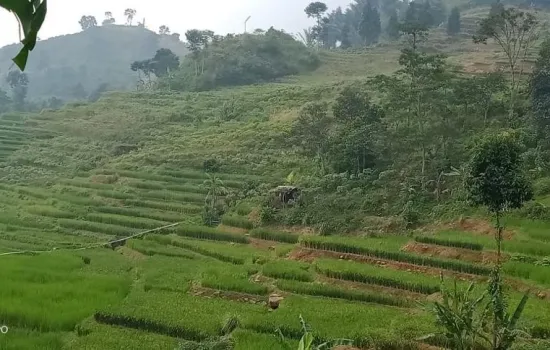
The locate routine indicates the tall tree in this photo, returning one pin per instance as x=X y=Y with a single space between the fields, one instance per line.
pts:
x=5 y=102
x=164 y=62
x=130 y=14
x=370 y=26
x=540 y=98
x=515 y=32
x=317 y=10
x=87 y=22
x=18 y=83
x=453 y=22
x=109 y=19
x=345 y=42
x=311 y=131
x=496 y=179
x=392 y=27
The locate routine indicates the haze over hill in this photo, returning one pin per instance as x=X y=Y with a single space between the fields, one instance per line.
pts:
x=88 y=59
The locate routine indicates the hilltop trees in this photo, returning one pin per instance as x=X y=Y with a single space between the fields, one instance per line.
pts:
x=515 y=32
x=164 y=30
x=109 y=19
x=453 y=23
x=130 y=14
x=87 y=22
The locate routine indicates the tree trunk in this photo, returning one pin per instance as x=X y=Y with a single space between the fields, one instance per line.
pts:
x=498 y=237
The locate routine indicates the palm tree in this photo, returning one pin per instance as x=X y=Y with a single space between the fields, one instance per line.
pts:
x=213 y=206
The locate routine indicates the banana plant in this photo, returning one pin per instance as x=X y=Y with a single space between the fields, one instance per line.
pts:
x=31 y=15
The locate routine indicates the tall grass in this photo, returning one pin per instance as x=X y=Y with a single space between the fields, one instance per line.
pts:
x=287 y=269
x=232 y=283
x=174 y=196
x=126 y=221
x=315 y=243
x=449 y=243
x=169 y=206
x=208 y=233
x=200 y=249
x=368 y=274
x=323 y=290
x=49 y=292
x=95 y=227
x=50 y=212
x=277 y=236
x=148 y=214
x=237 y=221
x=150 y=248
x=160 y=312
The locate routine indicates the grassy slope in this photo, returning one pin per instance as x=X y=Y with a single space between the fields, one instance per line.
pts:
x=77 y=184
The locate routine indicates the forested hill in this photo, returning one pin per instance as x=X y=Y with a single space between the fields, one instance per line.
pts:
x=72 y=66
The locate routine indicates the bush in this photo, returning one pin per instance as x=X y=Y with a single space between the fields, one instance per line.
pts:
x=244 y=59
x=542 y=186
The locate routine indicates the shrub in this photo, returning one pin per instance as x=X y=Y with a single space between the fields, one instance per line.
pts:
x=277 y=236
x=542 y=186
x=449 y=243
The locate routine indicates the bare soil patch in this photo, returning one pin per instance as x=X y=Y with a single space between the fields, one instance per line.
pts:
x=432 y=250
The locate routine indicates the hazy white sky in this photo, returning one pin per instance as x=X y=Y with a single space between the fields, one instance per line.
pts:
x=222 y=16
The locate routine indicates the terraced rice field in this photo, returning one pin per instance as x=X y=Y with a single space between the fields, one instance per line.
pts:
x=182 y=282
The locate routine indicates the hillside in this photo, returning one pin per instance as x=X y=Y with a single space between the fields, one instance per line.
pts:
x=359 y=258
x=90 y=58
